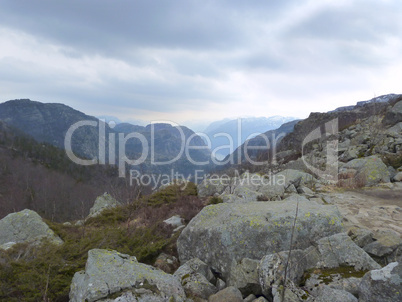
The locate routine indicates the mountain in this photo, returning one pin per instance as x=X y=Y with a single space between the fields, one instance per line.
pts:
x=269 y=139
x=235 y=132
x=48 y=122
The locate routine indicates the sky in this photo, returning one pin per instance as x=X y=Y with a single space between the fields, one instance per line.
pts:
x=192 y=61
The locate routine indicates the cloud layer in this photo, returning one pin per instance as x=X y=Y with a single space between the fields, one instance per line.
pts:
x=187 y=60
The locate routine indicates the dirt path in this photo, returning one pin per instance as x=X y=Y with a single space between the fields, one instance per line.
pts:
x=372 y=208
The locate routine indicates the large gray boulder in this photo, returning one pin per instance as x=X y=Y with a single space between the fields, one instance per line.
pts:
x=109 y=272
x=103 y=202
x=365 y=171
x=25 y=226
x=383 y=285
x=339 y=250
x=225 y=232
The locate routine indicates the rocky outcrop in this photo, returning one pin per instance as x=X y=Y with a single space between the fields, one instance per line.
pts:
x=25 y=227
x=225 y=232
x=103 y=202
x=109 y=273
x=383 y=285
x=366 y=171
x=394 y=115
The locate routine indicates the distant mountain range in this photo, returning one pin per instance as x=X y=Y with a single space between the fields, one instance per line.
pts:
x=48 y=122
x=235 y=132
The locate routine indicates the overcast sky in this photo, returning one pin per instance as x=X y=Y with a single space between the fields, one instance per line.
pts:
x=200 y=60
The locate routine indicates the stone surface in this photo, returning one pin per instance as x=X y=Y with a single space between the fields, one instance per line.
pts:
x=244 y=276
x=339 y=250
x=397 y=177
x=196 y=277
x=295 y=177
x=25 y=226
x=272 y=268
x=225 y=232
x=102 y=203
x=386 y=242
x=109 y=272
x=383 y=285
x=209 y=187
x=368 y=171
x=327 y=294
x=361 y=236
x=174 y=221
x=229 y=294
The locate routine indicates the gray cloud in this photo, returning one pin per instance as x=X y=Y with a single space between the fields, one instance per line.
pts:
x=204 y=59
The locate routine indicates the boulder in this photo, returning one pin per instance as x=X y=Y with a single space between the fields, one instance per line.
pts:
x=394 y=115
x=397 y=177
x=109 y=272
x=386 y=242
x=250 y=298
x=212 y=186
x=365 y=171
x=102 y=203
x=361 y=236
x=229 y=294
x=325 y=293
x=196 y=277
x=272 y=268
x=350 y=285
x=225 y=232
x=339 y=250
x=174 y=221
x=25 y=227
x=383 y=285
x=295 y=177
x=244 y=276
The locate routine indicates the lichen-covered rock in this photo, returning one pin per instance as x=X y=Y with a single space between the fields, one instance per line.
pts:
x=25 y=226
x=272 y=268
x=211 y=186
x=109 y=272
x=367 y=171
x=229 y=294
x=225 y=232
x=244 y=276
x=196 y=277
x=339 y=250
x=102 y=203
x=383 y=285
x=386 y=242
